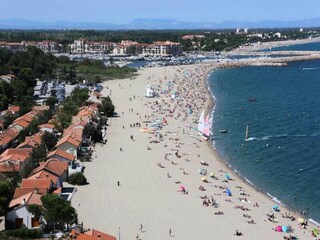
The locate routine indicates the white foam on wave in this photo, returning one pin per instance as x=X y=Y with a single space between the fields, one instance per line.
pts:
x=314 y=222
x=248 y=181
x=275 y=199
x=251 y=139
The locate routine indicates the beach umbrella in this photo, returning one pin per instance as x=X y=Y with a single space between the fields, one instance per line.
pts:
x=228 y=192
x=301 y=220
x=275 y=207
x=315 y=231
x=285 y=229
x=278 y=228
x=182 y=188
x=227 y=176
x=212 y=174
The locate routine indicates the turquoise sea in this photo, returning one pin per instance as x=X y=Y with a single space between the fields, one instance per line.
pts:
x=281 y=106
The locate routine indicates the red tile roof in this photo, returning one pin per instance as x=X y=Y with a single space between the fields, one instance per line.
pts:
x=17 y=154
x=32 y=141
x=99 y=235
x=41 y=108
x=14 y=108
x=6 y=167
x=28 y=198
x=75 y=133
x=73 y=141
x=53 y=165
x=22 y=123
x=36 y=183
x=63 y=154
x=44 y=174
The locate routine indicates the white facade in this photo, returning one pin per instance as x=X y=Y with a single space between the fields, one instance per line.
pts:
x=20 y=216
x=83 y=46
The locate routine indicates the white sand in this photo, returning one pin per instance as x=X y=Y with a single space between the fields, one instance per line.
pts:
x=146 y=196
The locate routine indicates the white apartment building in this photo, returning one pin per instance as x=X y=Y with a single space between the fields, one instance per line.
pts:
x=166 y=48
x=83 y=46
x=49 y=46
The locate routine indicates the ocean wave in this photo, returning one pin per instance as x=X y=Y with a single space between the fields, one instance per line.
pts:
x=248 y=181
x=314 y=222
x=308 y=69
x=275 y=199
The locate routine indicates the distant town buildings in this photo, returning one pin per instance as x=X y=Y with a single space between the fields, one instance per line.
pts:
x=191 y=37
x=242 y=31
x=45 y=46
x=127 y=47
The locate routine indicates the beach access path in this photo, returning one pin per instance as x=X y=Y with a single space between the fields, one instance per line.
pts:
x=146 y=194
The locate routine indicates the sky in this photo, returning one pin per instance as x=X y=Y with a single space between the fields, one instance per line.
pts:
x=124 y=11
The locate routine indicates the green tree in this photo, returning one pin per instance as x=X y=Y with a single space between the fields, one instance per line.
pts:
x=51 y=102
x=107 y=107
x=49 y=140
x=56 y=211
x=5 y=196
x=77 y=179
x=39 y=154
x=27 y=168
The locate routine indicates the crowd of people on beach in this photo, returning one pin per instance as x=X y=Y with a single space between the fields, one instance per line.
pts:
x=182 y=99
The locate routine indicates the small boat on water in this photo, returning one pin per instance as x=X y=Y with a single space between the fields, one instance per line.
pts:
x=223 y=131
x=252 y=99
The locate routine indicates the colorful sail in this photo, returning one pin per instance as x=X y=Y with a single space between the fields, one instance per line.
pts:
x=206 y=127
x=201 y=122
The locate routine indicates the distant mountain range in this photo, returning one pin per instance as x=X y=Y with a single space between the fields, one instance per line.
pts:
x=154 y=24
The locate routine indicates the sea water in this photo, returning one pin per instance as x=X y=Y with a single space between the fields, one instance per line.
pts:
x=281 y=106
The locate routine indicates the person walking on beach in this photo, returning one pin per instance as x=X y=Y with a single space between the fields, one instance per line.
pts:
x=141 y=227
x=170 y=232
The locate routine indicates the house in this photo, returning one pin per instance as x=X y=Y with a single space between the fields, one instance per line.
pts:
x=41 y=108
x=19 y=215
x=42 y=185
x=53 y=166
x=13 y=159
x=7 y=138
x=47 y=127
x=91 y=235
x=32 y=141
x=62 y=156
x=69 y=144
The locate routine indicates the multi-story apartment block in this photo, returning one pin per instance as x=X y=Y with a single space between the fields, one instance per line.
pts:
x=83 y=46
x=163 y=49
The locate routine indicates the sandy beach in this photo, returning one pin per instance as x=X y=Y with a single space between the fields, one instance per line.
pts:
x=270 y=45
x=137 y=178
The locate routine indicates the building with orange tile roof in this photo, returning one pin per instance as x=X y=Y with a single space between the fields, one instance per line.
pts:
x=44 y=185
x=7 y=137
x=91 y=235
x=47 y=127
x=33 y=141
x=62 y=156
x=19 y=215
x=55 y=167
x=41 y=108
x=69 y=144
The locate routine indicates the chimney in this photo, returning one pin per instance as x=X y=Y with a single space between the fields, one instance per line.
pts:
x=24 y=201
x=99 y=236
x=36 y=190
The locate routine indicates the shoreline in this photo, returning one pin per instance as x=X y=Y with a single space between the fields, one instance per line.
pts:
x=267 y=45
x=211 y=105
x=107 y=207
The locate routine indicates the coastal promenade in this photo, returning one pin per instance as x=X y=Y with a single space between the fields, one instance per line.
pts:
x=135 y=181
